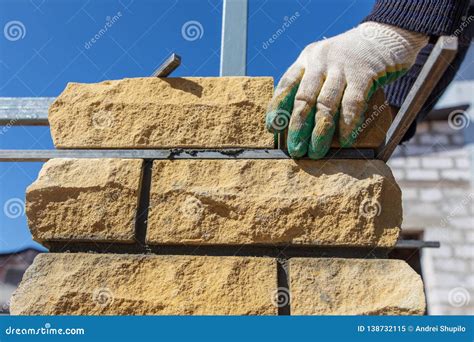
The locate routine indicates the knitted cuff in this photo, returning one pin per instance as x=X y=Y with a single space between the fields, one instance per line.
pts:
x=397 y=91
x=403 y=44
x=430 y=17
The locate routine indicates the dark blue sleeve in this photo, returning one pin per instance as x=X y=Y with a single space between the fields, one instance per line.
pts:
x=431 y=17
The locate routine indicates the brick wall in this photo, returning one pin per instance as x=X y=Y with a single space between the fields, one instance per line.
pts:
x=435 y=172
x=228 y=236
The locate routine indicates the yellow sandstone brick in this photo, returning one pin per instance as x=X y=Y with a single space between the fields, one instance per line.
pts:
x=193 y=112
x=85 y=199
x=163 y=113
x=354 y=287
x=328 y=202
x=111 y=284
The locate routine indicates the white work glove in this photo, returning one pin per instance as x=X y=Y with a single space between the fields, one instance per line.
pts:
x=331 y=82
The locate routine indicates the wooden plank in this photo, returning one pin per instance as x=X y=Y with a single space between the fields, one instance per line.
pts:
x=435 y=66
x=44 y=155
x=168 y=66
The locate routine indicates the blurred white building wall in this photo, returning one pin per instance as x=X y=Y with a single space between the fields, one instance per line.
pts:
x=436 y=173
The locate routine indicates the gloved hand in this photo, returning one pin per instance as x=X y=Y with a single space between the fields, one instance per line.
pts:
x=331 y=82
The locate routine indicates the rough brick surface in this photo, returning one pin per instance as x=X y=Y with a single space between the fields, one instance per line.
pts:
x=193 y=112
x=85 y=199
x=337 y=202
x=378 y=118
x=108 y=284
x=354 y=287
x=163 y=113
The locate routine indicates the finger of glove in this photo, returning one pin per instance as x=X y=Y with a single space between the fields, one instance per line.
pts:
x=353 y=107
x=281 y=105
x=302 y=116
x=327 y=106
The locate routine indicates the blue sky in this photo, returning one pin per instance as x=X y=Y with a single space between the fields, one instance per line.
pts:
x=55 y=48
